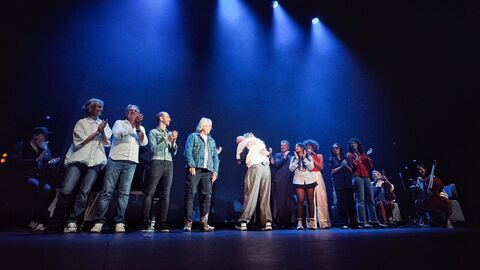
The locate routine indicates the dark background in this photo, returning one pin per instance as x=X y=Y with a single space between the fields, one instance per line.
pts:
x=399 y=76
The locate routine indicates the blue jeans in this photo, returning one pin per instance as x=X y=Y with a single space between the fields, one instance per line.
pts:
x=364 y=196
x=201 y=179
x=73 y=175
x=161 y=174
x=121 y=171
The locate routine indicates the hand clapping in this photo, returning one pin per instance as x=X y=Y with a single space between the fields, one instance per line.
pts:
x=138 y=120
x=102 y=126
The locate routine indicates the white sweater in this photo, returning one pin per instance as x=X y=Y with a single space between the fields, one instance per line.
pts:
x=302 y=176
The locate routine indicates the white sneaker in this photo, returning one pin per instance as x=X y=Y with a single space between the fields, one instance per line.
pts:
x=268 y=227
x=449 y=224
x=206 y=228
x=71 y=228
x=312 y=224
x=34 y=226
x=299 y=224
x=97 y=228
x=188 y=226
x=119 y=228
x=242 y=227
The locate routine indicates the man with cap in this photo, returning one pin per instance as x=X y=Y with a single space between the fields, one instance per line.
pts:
x=32 y=161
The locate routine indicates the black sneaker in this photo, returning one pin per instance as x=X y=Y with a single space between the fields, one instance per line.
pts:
x=367 y=226
x=162 y=227
x=379 y=225
x=147 y=226
x=356 y=226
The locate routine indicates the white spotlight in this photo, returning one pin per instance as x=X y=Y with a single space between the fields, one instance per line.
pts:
x=315 y=20
x=274 y=4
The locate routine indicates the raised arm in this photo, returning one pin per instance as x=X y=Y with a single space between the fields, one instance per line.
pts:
x=293 y=164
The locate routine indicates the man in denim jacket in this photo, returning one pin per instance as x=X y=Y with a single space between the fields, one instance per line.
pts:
x=163 y=145
x=202 y=170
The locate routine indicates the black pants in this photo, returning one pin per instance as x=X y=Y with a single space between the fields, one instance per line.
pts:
x=40 y=199
x=201 y=182
x=161 y=175
x=346 y=206
x=282 y=192
x=212 y=201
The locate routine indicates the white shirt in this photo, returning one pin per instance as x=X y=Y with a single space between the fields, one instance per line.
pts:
x=125 y=142
x=257 y=152
x=92 y=153
x=205 y=157
x=303 y=176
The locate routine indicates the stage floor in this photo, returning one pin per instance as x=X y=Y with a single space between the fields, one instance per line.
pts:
x=401 y=248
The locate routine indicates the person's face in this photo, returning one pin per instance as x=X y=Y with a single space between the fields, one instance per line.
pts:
x=336 y=149
x=207 y=128
x=354 y=145
x=41 y=140
x=310 y=148
x=421 y=171
x=97 y=110
x=298 y=149
x=284 y=147
x=376 y=175
x=132 y=114
x=165 y=119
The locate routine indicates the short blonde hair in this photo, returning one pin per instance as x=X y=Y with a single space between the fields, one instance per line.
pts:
x=87 y=107
x=203 y=122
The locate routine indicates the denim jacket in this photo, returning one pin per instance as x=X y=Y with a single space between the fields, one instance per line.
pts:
x=194 y=152
x=159 y=145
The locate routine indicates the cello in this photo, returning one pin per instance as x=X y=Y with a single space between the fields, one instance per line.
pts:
x=437 y=204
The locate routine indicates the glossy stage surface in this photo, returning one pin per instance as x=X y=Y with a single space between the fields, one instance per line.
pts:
x=400 y=248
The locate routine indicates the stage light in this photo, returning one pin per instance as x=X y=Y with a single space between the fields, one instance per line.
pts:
x=4 y=155
x=315 y=20
x=274 y=4
x=2 y=161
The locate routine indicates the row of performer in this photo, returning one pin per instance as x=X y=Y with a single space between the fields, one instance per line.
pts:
x=299 y=169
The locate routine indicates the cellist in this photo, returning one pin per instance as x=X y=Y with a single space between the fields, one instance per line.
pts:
x=435 y=203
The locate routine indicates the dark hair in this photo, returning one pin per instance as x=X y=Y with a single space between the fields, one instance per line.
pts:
x=421 y=166
x=301 y=145
x=40 y=130
x=350 y=148
x=312 y=143
x=301 y=164
x=342 y=156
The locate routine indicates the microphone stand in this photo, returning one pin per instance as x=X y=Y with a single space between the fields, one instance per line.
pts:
x=407 y=197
